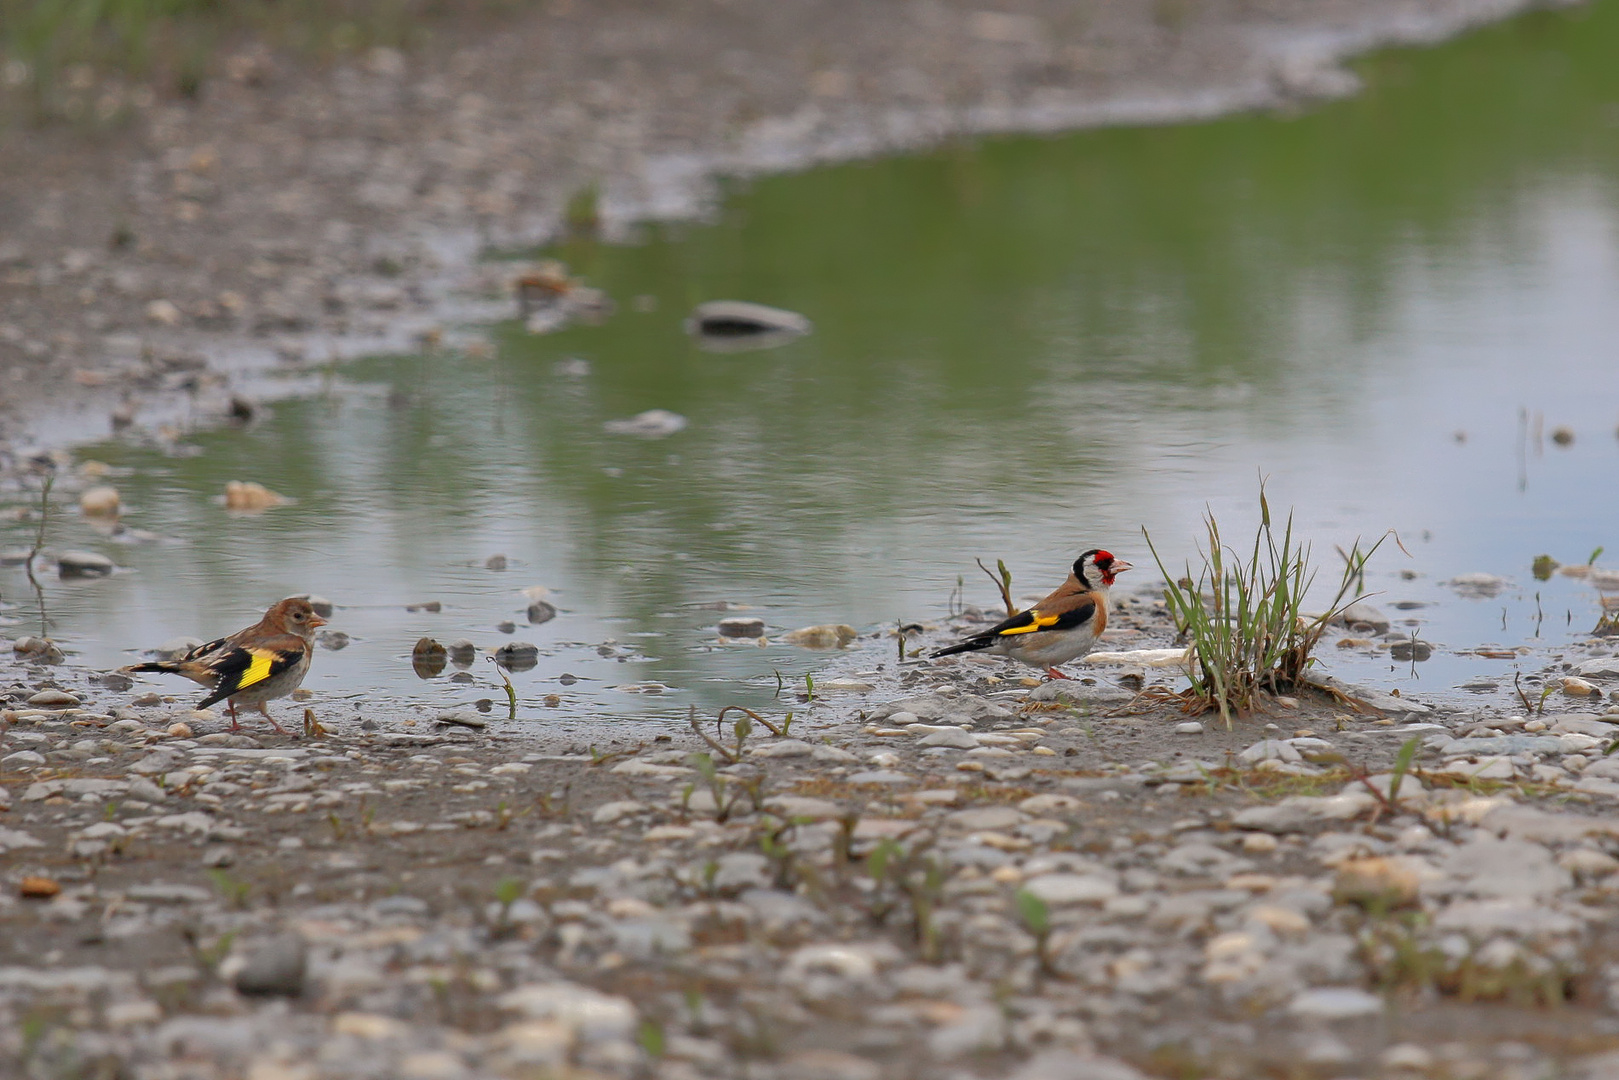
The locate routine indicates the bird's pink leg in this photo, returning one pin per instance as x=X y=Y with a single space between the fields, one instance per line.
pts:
x=1055 y=674
x=270 y=718
x=234 y=724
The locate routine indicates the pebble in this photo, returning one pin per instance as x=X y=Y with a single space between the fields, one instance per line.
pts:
x=518 y=656
x=1408 y=650
x=740 y=626
x=830 y=636
x=952 y=737
x=881 y=776
x=1270 y=750
x=461 y=718
x=652 y=424
x=1574 y=686
x=39 y=650
x=276 y=967
x=1060 y=889
x=1335 y=1003
x=100 y=501
x=252 y=497
x=1364 y=617
x=1603 y=667
x=1190 y=727
x=783 y=748
x=83 y=564
x=1478 y=586
x=727 y=325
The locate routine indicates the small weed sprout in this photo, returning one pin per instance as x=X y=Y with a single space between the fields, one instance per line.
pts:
x=1245 y=618
x=651 y=1038
x=809 y=687
x=209 y=958
x=511 y=691
x=39 y=545
x=719 y=788
x=1402 y=764
x=232 y=890
x=741 y=730
x=1003 y=583
x=1036 y=917
x=508 y=891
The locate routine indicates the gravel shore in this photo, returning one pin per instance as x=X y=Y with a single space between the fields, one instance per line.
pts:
x=949 y=873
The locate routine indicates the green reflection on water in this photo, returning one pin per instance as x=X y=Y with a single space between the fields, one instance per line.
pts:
x=1021 y=347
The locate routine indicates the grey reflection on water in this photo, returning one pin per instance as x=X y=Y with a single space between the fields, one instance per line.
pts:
x=1020 y=350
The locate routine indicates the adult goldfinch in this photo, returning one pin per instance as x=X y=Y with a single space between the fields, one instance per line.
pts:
x=264 y=662
x=1062 y=627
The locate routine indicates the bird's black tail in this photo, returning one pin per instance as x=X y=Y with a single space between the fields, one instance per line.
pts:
x=167 y=666
x=970 y=645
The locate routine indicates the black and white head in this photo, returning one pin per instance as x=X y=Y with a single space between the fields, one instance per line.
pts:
x=1096 y=568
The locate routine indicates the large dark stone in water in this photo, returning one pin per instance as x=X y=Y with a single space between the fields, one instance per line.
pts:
x=728 y=325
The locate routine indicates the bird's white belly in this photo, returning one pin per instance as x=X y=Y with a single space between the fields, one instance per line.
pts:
x=1048 y=649
x=276 y=686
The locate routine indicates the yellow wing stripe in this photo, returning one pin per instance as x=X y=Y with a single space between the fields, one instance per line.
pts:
x=258 y=670
x=1040 y=623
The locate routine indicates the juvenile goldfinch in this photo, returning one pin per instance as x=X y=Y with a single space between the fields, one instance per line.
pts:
x=264 y=662
x=1062 y=627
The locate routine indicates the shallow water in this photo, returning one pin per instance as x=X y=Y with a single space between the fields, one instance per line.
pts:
x=1022 y=349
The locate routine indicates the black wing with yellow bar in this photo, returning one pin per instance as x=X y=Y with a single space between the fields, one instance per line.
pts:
x=240 y=668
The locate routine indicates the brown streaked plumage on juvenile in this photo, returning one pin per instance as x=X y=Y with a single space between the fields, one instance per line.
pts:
x=264 y=662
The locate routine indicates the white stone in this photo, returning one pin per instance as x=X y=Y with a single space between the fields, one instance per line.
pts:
x=799 y=806
x=607 y=813
x=784 y=748
x=881 y=776
x=1505 y=869
x=594 y=1017
x=1485 y=768
x=1049 y=803
x=1060 y=889
x=952 y=737
x=1270 y=750
x=1335 y=1003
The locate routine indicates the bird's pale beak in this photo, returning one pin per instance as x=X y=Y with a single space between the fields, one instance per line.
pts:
x=316 y=622
x=1119 y=566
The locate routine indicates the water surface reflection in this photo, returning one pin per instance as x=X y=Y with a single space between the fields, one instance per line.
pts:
x=1022 y=348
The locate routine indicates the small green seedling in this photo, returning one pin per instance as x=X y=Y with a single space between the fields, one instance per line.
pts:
x=1003 y=583
x=511 y=691
x=651 y=1038
x=1402 y=765
x=233 y=890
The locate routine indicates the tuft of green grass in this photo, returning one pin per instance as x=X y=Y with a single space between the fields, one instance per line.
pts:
x=1245 y=616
